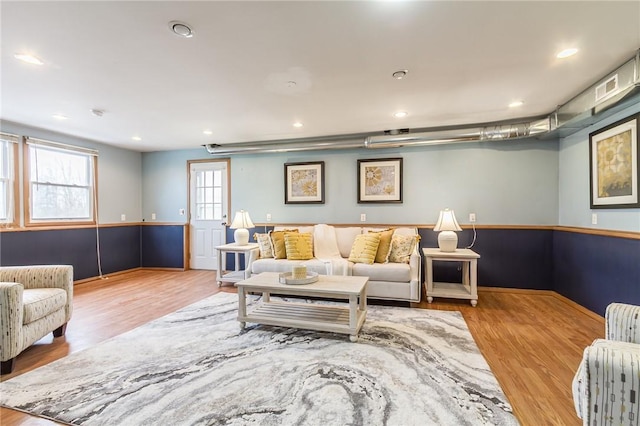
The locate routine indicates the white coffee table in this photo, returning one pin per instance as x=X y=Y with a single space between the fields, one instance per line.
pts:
x=311 y=316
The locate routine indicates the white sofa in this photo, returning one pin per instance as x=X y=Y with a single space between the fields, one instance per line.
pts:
x=391 y=281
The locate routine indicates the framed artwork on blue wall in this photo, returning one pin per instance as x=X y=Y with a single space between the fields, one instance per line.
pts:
x=380 y=180
x=614 y=157
x=304 y=183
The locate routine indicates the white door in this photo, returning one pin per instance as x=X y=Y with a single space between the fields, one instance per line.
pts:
x=208 y=212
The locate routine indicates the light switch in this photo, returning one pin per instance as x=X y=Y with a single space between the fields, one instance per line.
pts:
x=153 y=216
x=594 y=218
x=363 y=217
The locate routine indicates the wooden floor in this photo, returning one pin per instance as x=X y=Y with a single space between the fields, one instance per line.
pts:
x=533 y=341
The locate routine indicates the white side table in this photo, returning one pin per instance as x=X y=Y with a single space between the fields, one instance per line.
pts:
x=468 y=289
x=238 y=274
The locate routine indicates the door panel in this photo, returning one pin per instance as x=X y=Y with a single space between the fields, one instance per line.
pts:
x=208 y=207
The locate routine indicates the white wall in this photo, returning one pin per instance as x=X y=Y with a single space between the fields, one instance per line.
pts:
x=502 y=182
x=119 y=173
x=573 y=192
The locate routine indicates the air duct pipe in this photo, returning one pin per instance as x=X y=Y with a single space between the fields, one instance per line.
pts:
x=617 y=90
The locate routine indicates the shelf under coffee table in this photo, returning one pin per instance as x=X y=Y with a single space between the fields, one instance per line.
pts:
x=346 y=319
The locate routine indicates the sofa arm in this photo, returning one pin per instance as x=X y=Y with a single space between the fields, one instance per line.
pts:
x=623 y=322
x=415 y=266
x=11 y=314
x=606 y=382
x=42 y=276
x=249 y=258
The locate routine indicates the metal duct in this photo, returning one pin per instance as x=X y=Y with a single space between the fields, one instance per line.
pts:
x=489 y=132
x=617 y=90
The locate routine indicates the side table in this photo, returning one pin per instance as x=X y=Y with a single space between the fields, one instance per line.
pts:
x=238 y=274
x=468 y=289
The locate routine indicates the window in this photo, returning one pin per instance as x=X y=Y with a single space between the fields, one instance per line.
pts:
x=209 y=195
x=8 y=171
x=61 y=182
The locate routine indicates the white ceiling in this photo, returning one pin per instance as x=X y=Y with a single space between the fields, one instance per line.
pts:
x=467 y=61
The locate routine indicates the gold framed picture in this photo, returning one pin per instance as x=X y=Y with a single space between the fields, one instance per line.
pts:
x=380 y=180
x=304 y=183
x=613 y=157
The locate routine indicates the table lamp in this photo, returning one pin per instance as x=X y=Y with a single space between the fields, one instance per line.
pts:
x=240 y=223
x=447 y=225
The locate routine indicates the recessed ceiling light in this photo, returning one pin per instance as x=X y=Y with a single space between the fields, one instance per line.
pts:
x=59 y=116
x=181 y=29
x=297 y=124
x=400 y=114
x=399 y=75
x=566 y=53
x=136 y=138
x=516 y=104
x=30 y=59
x=97 y=112
x=207 y=132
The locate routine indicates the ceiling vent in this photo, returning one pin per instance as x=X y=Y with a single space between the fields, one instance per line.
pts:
x=607 y=88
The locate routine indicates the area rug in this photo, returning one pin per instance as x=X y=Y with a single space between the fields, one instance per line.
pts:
x=196 y=367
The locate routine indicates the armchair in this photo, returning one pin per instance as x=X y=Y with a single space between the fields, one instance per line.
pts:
x=34 y=301
x=606 y=385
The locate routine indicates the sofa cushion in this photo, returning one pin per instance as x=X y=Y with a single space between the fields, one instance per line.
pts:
x=264 y=244
x=401 y=247
x=298 y=246
x=277 y=242
x=284 y=265
x=364 y=248
x=393 y=272
x=345 y=238
x=40 y=302
x=382 y=255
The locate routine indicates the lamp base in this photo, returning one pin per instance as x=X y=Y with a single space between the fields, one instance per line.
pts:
x=241 y=236
x=447 y=241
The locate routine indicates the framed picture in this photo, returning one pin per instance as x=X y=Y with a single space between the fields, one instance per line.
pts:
x=613 y=158
x=304 y=183
x=380 y=180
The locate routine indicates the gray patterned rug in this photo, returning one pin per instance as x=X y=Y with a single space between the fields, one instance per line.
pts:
x=195 y=367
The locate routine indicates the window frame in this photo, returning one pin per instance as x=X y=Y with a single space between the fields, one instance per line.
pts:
x=13 y=199
x=93 y=162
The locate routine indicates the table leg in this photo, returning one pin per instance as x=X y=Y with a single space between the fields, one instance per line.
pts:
x=353 y=317
x=474 y=282
x=219 y=271
x=429 y=267
x=242 y=306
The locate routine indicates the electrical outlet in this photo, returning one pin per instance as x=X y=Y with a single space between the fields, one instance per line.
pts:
x=472 y=217
x=594 y=218
x=363 y=217
x=123 y=217
x=268 y=217
x=181 y=211
x=153 y=216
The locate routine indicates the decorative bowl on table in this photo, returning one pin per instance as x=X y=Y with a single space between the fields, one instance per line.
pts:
x=287 y=278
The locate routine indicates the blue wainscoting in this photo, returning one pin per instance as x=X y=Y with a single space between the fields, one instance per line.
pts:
x=591 y=270
x=162 y=246
x=119 y=249
x=595 y=270
x=510 y=258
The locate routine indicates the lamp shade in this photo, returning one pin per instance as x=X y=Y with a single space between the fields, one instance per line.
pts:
x=241 y=220
x=447 y=221
x=447 y=225
x=240 y=223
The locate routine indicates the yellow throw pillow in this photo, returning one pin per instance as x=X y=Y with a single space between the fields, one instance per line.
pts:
x=264 y=243
x=382 y=255
x=401 y=247
x=298 y=246
x=277 y=242
x=364 y=248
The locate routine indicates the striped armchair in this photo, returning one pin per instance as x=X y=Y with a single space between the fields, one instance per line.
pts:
x=34 y=301
x=606 y=387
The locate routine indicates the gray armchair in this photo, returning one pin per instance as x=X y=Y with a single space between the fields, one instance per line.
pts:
x=34 y=301
x=606 y=386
